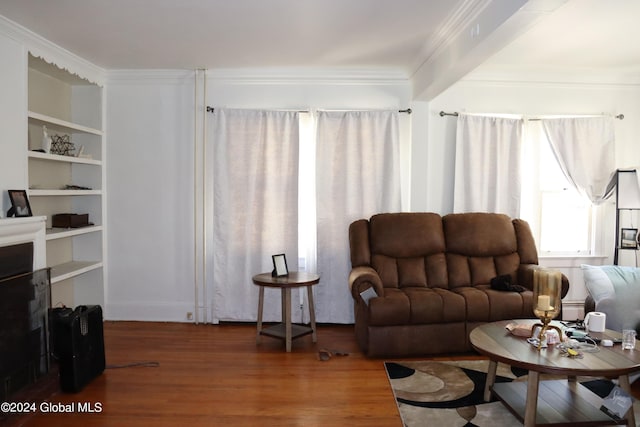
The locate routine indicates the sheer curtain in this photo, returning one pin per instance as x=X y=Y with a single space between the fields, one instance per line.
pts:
x=584 y=148
x=358 y=175
x=487 y=165
x=255 y=206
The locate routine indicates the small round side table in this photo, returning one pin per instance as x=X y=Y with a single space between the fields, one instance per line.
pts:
x=286 y=330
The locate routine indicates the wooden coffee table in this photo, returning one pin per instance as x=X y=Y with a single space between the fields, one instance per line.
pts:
x=286 y=330
x=553 y=402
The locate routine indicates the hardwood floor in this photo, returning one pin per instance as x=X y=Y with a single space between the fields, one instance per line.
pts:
x=217 y=376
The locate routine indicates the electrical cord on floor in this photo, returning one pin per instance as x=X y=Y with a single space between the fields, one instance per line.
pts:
x=134 y=364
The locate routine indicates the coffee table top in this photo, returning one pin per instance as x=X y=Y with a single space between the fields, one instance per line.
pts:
x=495 y=341
x=293 y=280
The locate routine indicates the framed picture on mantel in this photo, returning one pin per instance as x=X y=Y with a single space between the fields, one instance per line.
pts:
x=19 y=203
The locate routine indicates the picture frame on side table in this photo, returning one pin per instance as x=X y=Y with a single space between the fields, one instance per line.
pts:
x=628 y=238
x=20 y=206
x=279 y=265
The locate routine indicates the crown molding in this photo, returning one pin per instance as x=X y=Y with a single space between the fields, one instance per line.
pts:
x=42 y=48
x=556 y=76
x=150 y=76
x=372 y=76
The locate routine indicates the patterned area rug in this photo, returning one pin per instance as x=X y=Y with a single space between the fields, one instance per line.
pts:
x=450 y=393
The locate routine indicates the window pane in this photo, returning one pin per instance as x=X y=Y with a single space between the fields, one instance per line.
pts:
x=565 y=222
x=559 y=217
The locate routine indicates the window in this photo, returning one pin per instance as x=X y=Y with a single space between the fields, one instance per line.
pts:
x=560 y=217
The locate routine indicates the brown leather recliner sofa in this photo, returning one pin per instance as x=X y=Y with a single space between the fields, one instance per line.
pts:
x=432 y=276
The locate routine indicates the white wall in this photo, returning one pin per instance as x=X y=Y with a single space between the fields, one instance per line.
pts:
x=150 y=199
x=13 y=120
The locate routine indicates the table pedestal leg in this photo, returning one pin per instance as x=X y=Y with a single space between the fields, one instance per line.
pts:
x=312 y=314
x=623 y=380
x=491 y=379
x=531 y=407
x=260 y=309
x=287 y=316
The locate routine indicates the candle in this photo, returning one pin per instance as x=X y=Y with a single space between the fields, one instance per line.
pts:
x=544 y=303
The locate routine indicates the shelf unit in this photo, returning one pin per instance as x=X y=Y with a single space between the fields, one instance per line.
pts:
x=627 y=190
x=67 y=104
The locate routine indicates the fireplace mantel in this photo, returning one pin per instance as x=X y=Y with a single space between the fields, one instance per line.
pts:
x=23 y=230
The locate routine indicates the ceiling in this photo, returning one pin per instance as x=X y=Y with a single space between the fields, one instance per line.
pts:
x=396 y=35
x=177 y=34
x=582 y=36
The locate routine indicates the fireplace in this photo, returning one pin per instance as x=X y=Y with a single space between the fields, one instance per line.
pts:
x=25 y=298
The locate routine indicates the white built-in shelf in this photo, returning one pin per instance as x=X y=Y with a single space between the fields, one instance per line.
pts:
x=61 y=233
x=59 y=158
x=38 y=192
x=72 y=269
x=62 y=125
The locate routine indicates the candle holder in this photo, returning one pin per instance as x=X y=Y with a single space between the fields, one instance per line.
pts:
x=547 y=300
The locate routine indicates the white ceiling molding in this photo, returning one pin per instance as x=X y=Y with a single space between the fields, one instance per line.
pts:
x=52 y=53
x=558 y=76
x=309 y=75
x=150 y=77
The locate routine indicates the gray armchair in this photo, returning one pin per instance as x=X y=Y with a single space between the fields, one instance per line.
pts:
x=615 y=291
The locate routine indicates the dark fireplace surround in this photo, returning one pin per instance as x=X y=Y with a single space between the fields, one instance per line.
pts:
x=25 y=298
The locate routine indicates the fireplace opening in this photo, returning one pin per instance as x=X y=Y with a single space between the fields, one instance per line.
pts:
x=25 y=298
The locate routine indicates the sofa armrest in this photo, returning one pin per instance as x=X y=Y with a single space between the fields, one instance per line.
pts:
x=362 y=278
x=525 y=278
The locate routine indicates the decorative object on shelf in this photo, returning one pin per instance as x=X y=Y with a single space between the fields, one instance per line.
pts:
x=62 y=145
x=628 y=238
x=70 y=220
x=547 y=285
x=75 y=187
x=19 y=204
x=46 y=140
x=279 y=265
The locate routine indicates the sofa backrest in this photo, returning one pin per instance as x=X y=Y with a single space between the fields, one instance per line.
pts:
x=426 y=249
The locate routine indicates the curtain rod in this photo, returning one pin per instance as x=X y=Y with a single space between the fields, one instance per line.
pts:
x=455 y=114
x=407 y=110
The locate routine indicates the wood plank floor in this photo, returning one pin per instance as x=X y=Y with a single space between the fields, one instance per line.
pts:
x=216 y=375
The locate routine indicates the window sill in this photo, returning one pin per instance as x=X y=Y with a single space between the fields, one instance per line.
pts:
x=570 y=261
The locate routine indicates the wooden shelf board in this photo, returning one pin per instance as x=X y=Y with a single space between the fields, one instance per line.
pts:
x=560 y=402
x=61 y=233
x=71 y=269
x=59 y=158
x=279 y=331
x=34 y=192
x=62 y=124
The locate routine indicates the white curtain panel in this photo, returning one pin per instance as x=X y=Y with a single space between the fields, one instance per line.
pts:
x=487 y=164
x=358 y=175
x=255 y=207
x=584 y=148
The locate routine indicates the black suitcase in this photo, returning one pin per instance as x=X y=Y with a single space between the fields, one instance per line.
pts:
x=77 y=343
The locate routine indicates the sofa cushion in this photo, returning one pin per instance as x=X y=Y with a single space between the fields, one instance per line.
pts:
x=487 y=305
x=435 y=306
x=427 y=271
x=406 y=234
x=416 y=305
x=479 y=234
x=480 y=246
